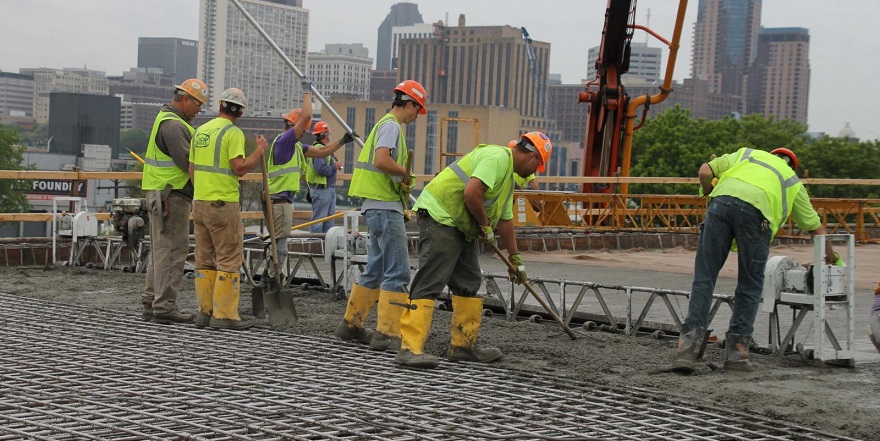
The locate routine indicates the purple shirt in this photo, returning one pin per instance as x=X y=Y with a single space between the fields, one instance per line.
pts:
x=282 y=152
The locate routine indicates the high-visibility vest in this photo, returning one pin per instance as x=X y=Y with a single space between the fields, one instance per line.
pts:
x=285 y=177
x=312 y=176
x=213 y=177
x=770 y=174
x=159 y=168
x=368 y=181
x=448 y=189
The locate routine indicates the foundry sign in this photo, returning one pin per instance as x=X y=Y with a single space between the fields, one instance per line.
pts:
x=57 y=187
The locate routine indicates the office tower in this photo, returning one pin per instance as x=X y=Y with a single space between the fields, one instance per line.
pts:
x=421 y=30
x=725 y=41
x=644 y=62
x=176 y=57
x=233 y=54
x=47 y=81
x=779 y=84
x=16 y=94
x=341 y=69
x=382 y=84
x=401 y=14
x=483 y=66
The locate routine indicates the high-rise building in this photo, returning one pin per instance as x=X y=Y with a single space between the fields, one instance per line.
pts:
x=780 y=81
x=47 y=80
x=382 y=84
x=483 y=66
x=233 y=54
x=341 y=69
x=143 y=85
x=644 y=62
x=177 y=57
x=401 y=14
x=79 y=118
x=16 y=94
x=421 y=30
x=725 y=42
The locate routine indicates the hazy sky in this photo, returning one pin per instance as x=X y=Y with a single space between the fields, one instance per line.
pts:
x=102 y=35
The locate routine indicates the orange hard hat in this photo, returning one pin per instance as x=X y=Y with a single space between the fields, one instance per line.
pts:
x=792 y=158
x=293 y=116
x=320 y=128
x=512 y=143
x=195 y=88
x=540 y=143
x=414 y=90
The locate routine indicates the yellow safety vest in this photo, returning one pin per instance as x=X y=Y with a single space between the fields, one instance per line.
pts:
x=368 y=181
x=159 y=168
x=448 y=190
x=312 y=176
x=285 y=177
x=212 y=146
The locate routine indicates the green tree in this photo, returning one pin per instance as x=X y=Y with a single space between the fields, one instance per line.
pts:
x=38 y=136
x=134 y=139
x=839 y=158
x=12 y=199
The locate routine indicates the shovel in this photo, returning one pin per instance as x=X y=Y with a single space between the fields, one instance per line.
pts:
x=536 y=296
x=282 y=311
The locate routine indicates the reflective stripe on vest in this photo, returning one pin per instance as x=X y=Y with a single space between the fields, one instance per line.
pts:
x=786 y=184
x=368 y=181
x=285 y=177
x=216 y=167
x=160 y=170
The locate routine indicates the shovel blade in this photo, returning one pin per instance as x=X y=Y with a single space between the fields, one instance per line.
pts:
x=282 y=312
x=258 y=304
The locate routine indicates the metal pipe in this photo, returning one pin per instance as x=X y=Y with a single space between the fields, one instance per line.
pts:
x=290 y=64
x=665 y=89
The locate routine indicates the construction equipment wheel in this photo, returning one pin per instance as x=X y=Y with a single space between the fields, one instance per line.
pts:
x=658 y=334
x=589 y=326
x=487 y=312
x=806 y=354
x=535 y=319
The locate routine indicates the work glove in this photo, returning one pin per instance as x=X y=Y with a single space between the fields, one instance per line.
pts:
x=487 y=235
x=306 y=84
x=405 y=186
x=518 y=276
x=349 y=137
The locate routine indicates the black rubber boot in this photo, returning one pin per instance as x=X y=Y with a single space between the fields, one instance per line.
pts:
x=421 y=361
x=202 y=320
x=173 y=317
x=736 y=347
x=476 y=353
x=691 y=344
x=237 y=325
x=346 y=332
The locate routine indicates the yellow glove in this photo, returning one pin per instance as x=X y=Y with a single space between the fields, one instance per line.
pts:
x=487 y=234
x=518 y=276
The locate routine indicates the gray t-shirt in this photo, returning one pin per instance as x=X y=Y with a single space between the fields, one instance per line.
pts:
x=388 y=135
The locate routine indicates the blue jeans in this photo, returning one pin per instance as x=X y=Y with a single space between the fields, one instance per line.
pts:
x=323 y=205
x=729 y=218
x=388 y=257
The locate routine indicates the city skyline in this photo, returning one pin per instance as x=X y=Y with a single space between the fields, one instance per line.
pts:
x=74 y=35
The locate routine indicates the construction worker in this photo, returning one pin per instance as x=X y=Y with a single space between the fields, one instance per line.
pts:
x=751 y=199
x=380 y=179
x=527 y=182
x=321 y=178
x=169 y=198
x=470 y=199
x=216 y=161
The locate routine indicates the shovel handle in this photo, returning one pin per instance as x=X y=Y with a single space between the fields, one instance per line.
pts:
x=535 y=294
x=273 y=246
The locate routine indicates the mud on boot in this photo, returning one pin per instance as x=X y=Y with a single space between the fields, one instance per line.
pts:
x=691 y=345
x=736 y=347
x=476 y=354
x=383 y=342
x=346 y=332
x=407 y=358
x=202 y=319
x=233 y=324
x=173 y=317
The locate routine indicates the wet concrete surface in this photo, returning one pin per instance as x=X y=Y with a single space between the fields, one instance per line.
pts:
x=845 y=401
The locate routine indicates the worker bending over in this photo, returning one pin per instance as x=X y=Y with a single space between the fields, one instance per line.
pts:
x=751 y=200
x=467 y=201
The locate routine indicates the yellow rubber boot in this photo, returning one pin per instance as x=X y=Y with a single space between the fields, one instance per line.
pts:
x=467 y=312
x=205 y=280
x=388 y=312
x=226 y=297
x=415 y=324
x=360 y=303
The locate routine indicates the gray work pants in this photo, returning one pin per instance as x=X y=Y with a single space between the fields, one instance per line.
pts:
x=168 y=250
